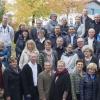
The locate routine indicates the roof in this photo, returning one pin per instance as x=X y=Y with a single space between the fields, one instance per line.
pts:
x=95 y=1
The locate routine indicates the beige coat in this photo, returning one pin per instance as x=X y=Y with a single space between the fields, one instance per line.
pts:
x=24 y=59
x=44 y=82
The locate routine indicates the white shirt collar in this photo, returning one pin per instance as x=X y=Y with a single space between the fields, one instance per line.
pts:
x=34 y=72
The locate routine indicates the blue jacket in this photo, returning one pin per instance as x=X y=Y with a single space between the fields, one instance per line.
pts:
x=4 y=53
x=88 y=88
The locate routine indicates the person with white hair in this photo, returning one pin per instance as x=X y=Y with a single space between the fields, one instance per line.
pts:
x=89 y=56
x=29 y=77
x=90 y=39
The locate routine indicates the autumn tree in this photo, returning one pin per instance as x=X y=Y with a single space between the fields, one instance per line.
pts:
x=24 y=10
x=2 y=9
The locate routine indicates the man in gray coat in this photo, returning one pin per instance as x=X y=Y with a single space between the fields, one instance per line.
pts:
x=44 y=81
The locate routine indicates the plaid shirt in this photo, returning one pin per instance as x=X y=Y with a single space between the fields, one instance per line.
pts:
x=75 y=84
x=88 y=88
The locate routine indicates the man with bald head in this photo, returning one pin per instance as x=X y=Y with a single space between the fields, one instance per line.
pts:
x=78 y=50
x=96 y=23
x=91 y=40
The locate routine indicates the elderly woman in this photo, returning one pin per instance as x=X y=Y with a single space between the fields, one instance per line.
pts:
x=88 y=56
x=61 y=86
x=88 y=85
x=25 y=56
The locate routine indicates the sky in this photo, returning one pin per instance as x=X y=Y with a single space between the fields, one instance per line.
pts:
x=10 y=1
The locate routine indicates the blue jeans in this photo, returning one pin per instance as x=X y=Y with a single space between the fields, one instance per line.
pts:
x=9 y=50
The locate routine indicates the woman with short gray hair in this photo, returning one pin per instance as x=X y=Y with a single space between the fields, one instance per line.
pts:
x=88 y=56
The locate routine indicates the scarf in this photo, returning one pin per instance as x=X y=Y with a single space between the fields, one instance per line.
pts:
x=58 y=73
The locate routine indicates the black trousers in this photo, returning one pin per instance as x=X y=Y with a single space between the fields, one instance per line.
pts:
x=34 y=95
x=78 y=96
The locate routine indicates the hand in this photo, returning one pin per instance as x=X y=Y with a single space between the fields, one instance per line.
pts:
x=8 y=98
x=64 y=99
x=44 y=99
x=28 y=95
x=1 y=58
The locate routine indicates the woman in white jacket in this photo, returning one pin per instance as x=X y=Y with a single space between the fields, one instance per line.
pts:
x=28 y=50
x=70 y=58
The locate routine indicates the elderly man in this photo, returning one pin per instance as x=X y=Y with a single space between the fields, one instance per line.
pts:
x=29 y=77
x=6 y=33
x=78 y=50
x=91 y=40
x=96 y=23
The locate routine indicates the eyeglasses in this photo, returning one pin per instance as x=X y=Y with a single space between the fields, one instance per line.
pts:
x=80 y=41
x=86 y=51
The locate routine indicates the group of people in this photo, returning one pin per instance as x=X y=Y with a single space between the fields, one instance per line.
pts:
x=53 y=62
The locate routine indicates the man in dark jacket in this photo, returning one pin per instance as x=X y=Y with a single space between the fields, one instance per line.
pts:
x=57 y=33
x=87 y=21
x=91 y=40
x=29 y=76
x=35 y=30
x=96 y=23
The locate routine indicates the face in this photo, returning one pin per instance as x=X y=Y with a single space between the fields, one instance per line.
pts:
x=64 y=22
x=25 y=34
x=96 y=18
x=5 y=20
x=99 y=18
x=30 y=46
x=47 y=66
x=91 y=71
x=39 y=24
x=69 y=48
x=41 y=34
x=14 y=64
x=77 y=20
x=33 y=57
x=71 y=30
x=87 y=53
x=53 y=18
x=80 y=42
x=60 y=67
x=57 y=30
x=1 y=47
x=23 y=27
x=79 y=66
x=47 y=46
x=59 y=42
x=85 y=12
x=91 y=33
